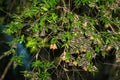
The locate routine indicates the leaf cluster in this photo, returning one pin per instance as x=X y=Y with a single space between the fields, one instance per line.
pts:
x=83 y=28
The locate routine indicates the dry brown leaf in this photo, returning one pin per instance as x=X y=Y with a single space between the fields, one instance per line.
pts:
x=75 y=63
x=85 y=68
x=53 y=46
x=108 y=48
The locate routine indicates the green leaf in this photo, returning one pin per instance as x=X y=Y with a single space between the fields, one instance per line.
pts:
x=54 y=40
x=97 y=49
x=42 y=21
x=71 y=16
x=67 y=56
x=18 y=60
x=37 y=63
x=54 y=17
x=89 y=54
x=107 y=41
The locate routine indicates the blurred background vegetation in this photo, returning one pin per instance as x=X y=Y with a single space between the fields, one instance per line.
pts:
x=67 y=39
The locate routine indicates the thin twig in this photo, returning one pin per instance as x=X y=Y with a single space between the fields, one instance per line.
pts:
x=6 y=70
x=4 y=55
x=9 y=14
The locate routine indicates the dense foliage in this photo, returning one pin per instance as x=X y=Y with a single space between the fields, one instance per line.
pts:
x=64 y=33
